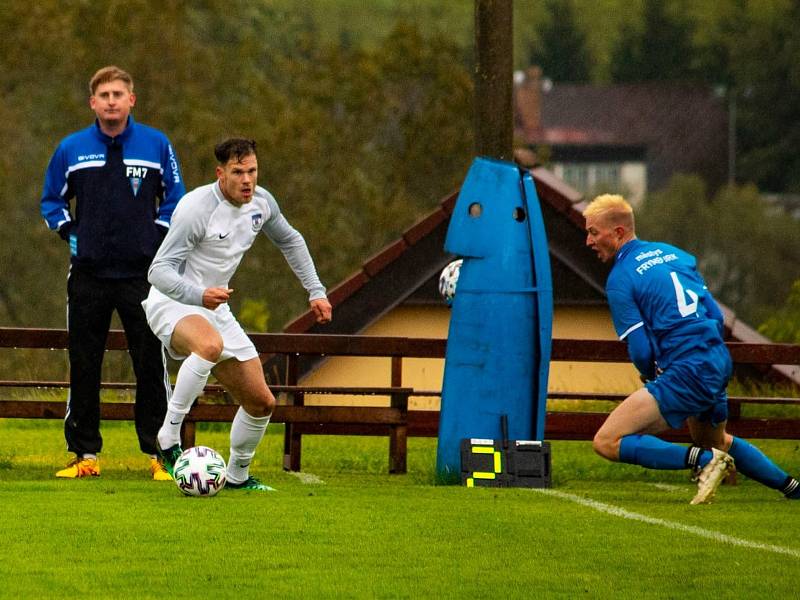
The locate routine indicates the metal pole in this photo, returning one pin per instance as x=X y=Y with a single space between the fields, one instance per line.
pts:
x=494 y=58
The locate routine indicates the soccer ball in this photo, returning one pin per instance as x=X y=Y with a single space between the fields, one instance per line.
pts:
x=448 y=280
x=200 y=471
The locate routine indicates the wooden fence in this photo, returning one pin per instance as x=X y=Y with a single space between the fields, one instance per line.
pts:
x=394 y=421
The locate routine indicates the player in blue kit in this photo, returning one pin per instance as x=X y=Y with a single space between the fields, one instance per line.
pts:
x=674 y=331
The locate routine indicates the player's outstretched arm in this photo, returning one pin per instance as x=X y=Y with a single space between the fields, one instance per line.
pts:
x=294 y=249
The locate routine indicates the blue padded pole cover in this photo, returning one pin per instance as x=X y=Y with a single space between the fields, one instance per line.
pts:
x=498 y=347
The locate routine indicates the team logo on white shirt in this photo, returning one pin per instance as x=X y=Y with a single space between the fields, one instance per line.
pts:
x=257 y=219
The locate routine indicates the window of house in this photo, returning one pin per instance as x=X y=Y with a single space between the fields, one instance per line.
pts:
x=589 y=178
x=592 y=178
x=607 y=177
x=577 y=175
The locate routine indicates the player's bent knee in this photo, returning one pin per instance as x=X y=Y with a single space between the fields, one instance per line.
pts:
x=606 y=447
x=269 y=404
x=260 y=405
x=209 y=349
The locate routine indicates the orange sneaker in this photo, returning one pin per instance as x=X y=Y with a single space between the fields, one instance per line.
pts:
x=80 y=467
x=158 y=471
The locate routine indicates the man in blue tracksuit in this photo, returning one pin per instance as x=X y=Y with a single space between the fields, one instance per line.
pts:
x=673 y=328
x=125 y=181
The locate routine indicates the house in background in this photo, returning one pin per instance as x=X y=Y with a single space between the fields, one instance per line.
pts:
x=626 y=138
x=395 y=293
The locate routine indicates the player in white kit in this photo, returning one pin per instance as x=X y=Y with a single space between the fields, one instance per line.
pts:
x=187 y=308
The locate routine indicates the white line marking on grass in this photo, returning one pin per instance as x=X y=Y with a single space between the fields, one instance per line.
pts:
x=667 y=487
x=307 y=478
x=706 y=533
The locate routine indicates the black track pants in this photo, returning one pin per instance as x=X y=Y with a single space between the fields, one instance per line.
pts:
x=91 y=302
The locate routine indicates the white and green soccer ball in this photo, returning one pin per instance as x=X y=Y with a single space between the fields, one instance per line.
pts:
x=448 y=280
x=200 y=471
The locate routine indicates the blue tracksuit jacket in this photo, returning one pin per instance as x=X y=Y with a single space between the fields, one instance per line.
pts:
x=124 y=189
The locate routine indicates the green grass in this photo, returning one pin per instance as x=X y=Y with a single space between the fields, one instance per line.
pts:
x=364 y=533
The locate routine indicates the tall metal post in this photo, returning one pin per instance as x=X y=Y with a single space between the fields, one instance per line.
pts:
x=494 y=63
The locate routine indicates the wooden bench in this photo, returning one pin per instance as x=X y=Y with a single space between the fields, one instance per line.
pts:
x=395 y=420
x=353 y=420
x=299 y=419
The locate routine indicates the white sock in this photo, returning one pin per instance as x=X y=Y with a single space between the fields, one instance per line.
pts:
x=192 y=378
x=246 y=433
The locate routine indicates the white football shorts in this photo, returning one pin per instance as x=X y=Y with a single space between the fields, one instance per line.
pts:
x=163 y=313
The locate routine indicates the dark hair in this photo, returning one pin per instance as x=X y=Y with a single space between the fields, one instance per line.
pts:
x=234 y=148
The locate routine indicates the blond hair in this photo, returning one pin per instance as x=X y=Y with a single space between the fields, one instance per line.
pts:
x=110 y=73
x=613 y=209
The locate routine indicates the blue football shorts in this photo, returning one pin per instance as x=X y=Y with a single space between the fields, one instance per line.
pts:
x=694 y=386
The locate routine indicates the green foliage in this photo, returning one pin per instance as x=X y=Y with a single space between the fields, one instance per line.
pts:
x=356 y=142
x=254 y=315
x=747 y=253
x=766 y=81
x=383 y=132
x=783 y=325
x=562 y=50
x=659 y=49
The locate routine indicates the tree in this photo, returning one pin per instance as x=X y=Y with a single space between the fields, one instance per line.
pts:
x=392 y=134
x=660 y=50
x=764 y=50
x=356 y=142
x=747 y=252
x=784 y=324
x=561 y=51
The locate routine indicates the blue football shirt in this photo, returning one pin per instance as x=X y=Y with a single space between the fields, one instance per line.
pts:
x=656 y=286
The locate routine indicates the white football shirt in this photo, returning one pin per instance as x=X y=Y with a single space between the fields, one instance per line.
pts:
x=208 y=237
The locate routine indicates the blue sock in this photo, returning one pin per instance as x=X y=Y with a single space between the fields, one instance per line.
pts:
x=652 y=452
x=752 y=462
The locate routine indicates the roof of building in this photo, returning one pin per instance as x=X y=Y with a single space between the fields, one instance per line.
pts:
x=679 y=127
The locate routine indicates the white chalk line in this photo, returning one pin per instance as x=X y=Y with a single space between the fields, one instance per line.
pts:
x=307 y=478
x=699 y=531
x=666 y=487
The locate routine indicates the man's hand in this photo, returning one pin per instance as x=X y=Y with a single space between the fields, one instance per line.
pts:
x=64 y=230
x=644 y=379
x=214 y=296
x=322 y=310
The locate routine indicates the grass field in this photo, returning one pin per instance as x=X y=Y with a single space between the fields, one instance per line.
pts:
x=350 y=530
